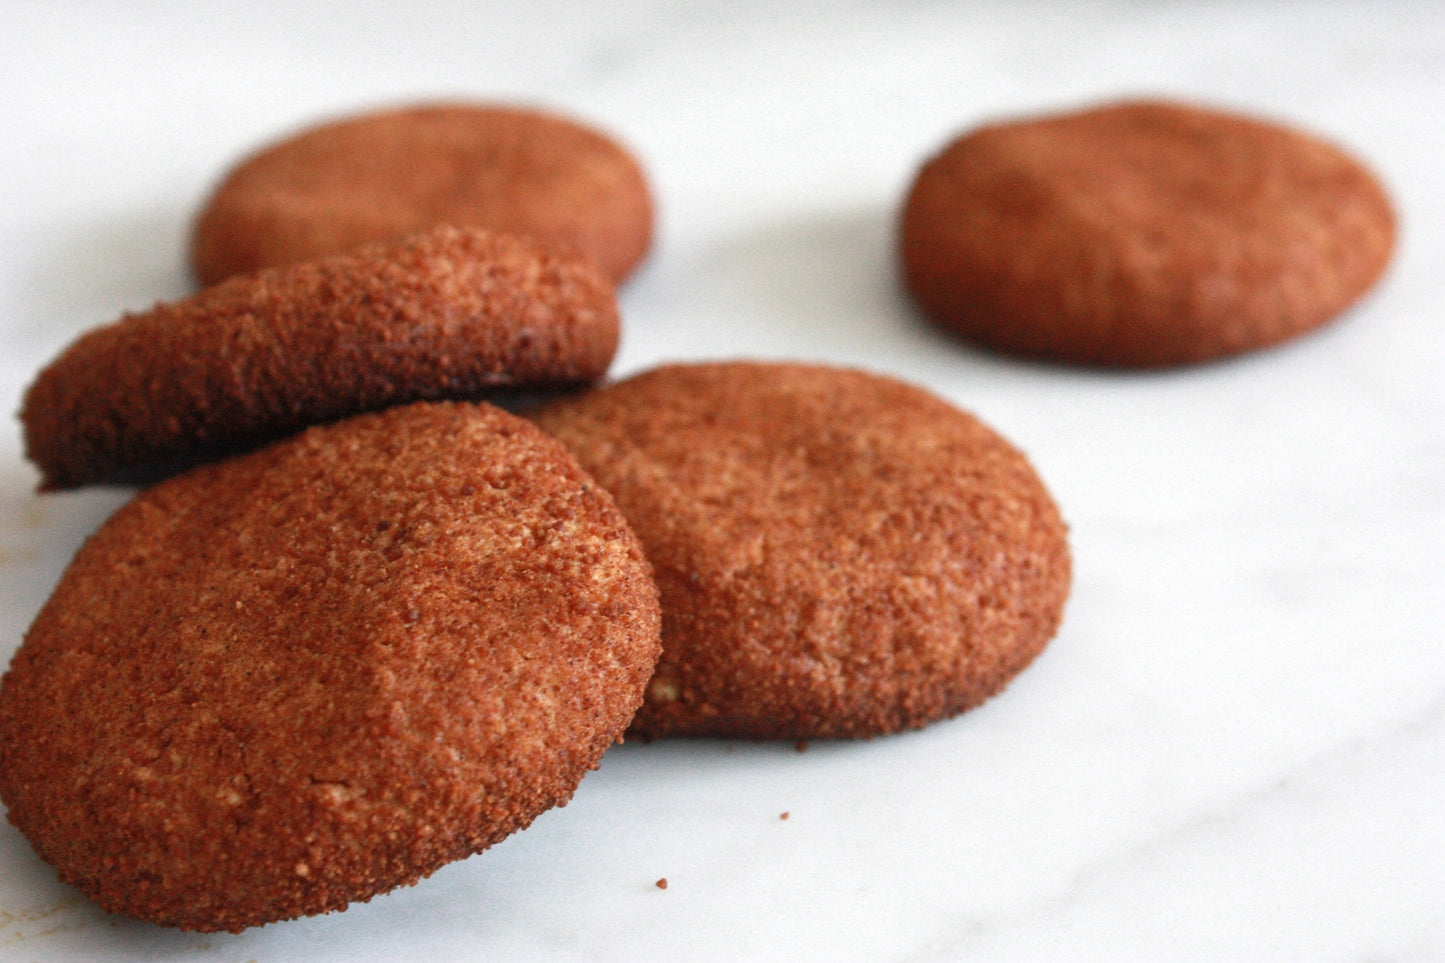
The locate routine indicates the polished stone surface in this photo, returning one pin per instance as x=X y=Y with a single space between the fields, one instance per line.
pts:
x=1235 y=747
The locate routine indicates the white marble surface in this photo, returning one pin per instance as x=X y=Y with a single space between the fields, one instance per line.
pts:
x=1235 y=747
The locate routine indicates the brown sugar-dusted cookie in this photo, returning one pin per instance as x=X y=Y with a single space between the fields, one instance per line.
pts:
x=1141 y=234
x=449 y=313
x=300 y=677
x=385 y=174
x=839 y=554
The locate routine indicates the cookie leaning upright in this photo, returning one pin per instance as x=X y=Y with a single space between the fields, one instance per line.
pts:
x=839 y=554
x=1141 y=234
x=384 y=174
x=297 y=678
x=449 y=313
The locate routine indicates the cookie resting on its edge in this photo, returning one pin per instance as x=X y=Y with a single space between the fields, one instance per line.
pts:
x=1141 y=234
x=295 y=679
x=446 y=314
x=839 y=554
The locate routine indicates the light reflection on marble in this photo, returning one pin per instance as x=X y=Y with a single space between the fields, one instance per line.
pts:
x=1235 y=747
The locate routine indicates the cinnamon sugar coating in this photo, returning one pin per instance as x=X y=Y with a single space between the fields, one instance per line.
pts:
x=295 y=679
x=445 y=314
x=839 y=554
x=1141 y=234
x=384 y=174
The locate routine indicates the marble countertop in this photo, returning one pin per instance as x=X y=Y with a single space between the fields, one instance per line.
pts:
x=1235 y=747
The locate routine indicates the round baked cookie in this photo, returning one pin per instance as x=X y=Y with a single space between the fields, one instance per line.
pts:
x=839 y=554
x=1141 y=234
x=446 y=314
x=294 y=679
x=385 y=174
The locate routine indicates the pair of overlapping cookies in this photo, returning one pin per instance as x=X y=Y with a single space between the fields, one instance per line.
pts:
x=383 y=624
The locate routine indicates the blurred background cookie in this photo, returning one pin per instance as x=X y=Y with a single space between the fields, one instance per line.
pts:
x=446 y=314
x=838 y=553
x=297 y=678
x=382 y=175
x=1141 y=234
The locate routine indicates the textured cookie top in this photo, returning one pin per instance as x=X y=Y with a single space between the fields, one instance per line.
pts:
x=382 y=175
x=1141 y=234
x=300 y=677
x=446 y=314
x=839 y=554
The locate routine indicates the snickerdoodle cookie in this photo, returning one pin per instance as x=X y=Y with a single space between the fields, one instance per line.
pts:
x=1141 y=234
x=384 y=174
x=838 y=553
x=297 y=678
x=448 y=313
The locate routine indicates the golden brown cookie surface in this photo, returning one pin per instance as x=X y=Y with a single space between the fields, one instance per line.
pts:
x=1141 y=234
x=301 y=677
x=838 y=553
x=385 y=174
x=446 y=314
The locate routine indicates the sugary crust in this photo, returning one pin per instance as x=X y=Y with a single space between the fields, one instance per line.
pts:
x=382 y=175
x=839 y=554
x=304 y=676
x=446 y=314
x=1141 y=234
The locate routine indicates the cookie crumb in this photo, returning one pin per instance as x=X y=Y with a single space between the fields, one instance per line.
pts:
x=664 y=690
x=801 y=745
x=662 y=883
x=784 y=816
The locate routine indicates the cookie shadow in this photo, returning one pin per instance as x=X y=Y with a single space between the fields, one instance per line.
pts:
x=820 y=284
x=829 y=274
